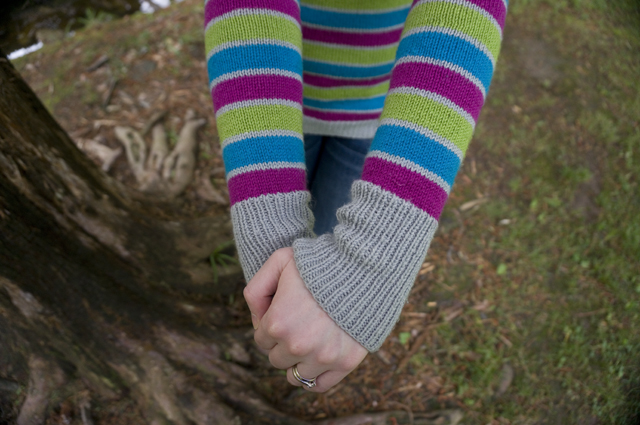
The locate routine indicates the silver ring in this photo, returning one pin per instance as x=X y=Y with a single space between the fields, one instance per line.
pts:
x=309 y=383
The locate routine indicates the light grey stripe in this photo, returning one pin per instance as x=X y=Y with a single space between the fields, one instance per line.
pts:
x=388 y=75
x=251 y=11
x=347 y=46
x=254 y=42
x=413 y=167
x=258 y=102
x=506 y=6
x=346 y=98
x=263 y=166
x=352 y=65
x=353 y=30
x=252 y=72
x=453 y=67
x=469 y=5
x=436 y=98
x=357 y=12
x=425 y=132
x=357 y=129
x=442 y=30
x=345 y=87
x=256 y=134
x=347 y=111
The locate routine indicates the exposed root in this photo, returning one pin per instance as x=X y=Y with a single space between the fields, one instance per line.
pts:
x=159 y=148
x=166 y=394
x=178 y=167
x=206 y=191
x=44 y=378
x=104 y=154
x=165 y=174
x=136 y=151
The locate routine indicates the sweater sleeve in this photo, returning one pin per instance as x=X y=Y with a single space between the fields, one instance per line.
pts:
x=361 y=274
x=255 y=76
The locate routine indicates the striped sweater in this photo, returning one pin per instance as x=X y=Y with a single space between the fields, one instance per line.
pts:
x=413 y=76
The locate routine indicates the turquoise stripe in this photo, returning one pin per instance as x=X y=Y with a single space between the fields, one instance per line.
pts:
x=451 y=49
x=353 y=20
x=419 y=149
x=254 y=56
x=258 y=150
x=347 y=71
x=349 y=104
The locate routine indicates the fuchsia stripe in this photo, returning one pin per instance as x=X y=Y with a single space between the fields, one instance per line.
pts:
x=406 y=184
x=351 y=39
x=339 y=116
x=215 y=8
x=494 y=7
x=256 y=87
x=264 y=182
x=442 y=81
x=322 y=81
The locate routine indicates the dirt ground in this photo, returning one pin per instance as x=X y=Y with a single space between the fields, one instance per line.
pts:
x=460 y=342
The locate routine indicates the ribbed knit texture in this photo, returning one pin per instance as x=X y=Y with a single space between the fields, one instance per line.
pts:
x=444 y=61
x=362 y=273
x=264 y=224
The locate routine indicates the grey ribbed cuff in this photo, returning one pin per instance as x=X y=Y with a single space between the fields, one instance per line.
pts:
x=361 y=275
x=267 y=223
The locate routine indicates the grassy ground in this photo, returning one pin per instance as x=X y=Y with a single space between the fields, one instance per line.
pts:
x=527 y=308
x=556 y=247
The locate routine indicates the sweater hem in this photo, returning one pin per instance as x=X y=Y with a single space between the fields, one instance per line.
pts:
x=350 y=129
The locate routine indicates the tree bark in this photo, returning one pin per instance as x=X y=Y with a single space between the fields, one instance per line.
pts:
x=107 y=293
x=100 y=284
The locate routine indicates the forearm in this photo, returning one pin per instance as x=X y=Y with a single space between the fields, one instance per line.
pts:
x=362 y=274
x=255 y=72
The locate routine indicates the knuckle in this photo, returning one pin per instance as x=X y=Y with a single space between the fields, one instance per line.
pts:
x=275 y=329
x=298 y=349
x=247 y=293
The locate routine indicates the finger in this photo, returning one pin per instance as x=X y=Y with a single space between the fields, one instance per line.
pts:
x=263 y=339
x=306 y=371
x=328 y=380
x=281 y=358
x=260 y=289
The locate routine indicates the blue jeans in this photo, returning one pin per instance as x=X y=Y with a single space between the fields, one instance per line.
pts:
x=333 y=164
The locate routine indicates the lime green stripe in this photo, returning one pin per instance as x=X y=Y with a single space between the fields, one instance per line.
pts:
x=428 y=113
x=456 y=17
x=339 y=93
x=348 y=55
x=251 y=27
x=358 y=4
x=257 y=118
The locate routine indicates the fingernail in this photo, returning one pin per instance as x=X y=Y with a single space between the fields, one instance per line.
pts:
x=254 y=320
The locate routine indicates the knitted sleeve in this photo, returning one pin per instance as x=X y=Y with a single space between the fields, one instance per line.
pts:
x=361 y=274
x=255 y=71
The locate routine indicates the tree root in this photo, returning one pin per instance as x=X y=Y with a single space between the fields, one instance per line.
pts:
x=45 y=377
x=163 y=174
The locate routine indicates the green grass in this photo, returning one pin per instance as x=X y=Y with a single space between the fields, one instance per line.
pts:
x=563 y=277
x=558 y=156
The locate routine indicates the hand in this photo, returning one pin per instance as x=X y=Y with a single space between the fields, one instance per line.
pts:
x=294 y=329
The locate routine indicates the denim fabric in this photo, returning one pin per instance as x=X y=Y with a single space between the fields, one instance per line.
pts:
x=333 y=164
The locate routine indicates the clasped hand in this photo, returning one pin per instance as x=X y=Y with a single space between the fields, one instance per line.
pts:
x=294 y=329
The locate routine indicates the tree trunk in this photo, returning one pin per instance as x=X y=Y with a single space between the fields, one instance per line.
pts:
x=100 y=284
x=109 y=294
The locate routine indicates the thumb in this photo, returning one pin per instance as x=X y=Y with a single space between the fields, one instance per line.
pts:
x=260 y=290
